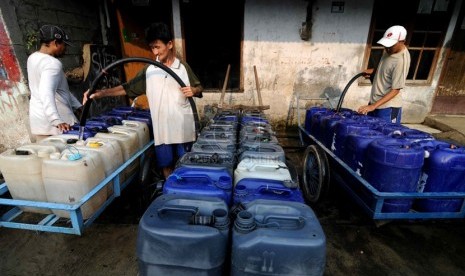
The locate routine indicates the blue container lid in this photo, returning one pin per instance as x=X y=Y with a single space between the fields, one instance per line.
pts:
x=409 y=133
x=448 y=156
x=124 y=109
x=394 y=152
x=389 y=128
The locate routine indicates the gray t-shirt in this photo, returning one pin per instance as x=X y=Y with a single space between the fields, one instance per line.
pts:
x=391 y=74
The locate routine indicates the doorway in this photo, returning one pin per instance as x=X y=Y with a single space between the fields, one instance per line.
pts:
x=450 y=92
x=213 y=33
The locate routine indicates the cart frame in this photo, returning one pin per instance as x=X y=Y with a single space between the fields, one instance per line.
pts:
x=49 y=222
x=322 y=164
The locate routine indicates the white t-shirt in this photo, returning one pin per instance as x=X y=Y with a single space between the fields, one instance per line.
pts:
x=169 y=107
x=51 y=101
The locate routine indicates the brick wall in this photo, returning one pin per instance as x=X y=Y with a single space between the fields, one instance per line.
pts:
x=22 y=19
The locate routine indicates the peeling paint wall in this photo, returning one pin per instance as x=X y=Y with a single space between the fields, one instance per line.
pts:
x=287 y=65
x=20 y=21
x=322 y=66
x=13 y=96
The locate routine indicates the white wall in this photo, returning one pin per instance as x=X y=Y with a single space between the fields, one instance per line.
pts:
x=288 y=65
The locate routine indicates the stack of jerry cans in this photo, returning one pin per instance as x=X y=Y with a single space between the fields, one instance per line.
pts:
x=184 y=235
x=262 y=171
x=208 y=169
x=219 y=136
x=260 y=179
x=274 y=237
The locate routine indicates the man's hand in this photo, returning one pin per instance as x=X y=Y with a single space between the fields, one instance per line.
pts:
x=368 y=73
x=64 y=127
x=365 y=109
x=188 y=91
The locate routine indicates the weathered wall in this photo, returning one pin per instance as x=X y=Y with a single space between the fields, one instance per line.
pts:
x=323 y=65
x=286 y=64
x=13 y=95
x=22 y=19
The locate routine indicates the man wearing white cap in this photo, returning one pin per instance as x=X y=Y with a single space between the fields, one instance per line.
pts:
x=389 y=79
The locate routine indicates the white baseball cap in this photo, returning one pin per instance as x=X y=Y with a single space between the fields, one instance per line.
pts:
x=393 y=35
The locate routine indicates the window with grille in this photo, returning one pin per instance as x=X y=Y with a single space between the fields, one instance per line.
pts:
x=426 y=22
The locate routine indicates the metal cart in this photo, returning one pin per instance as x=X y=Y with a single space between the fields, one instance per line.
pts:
x=322 y=167
x=15 y=217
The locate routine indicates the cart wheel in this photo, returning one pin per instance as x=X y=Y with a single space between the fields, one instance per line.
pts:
x=315 y=174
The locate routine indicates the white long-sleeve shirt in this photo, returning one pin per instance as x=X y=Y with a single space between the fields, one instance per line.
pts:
x=51 y=101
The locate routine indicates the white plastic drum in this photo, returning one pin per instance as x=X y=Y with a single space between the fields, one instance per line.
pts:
x=22 y=170
x=262 y=169
x=70 y=176
x=110 y=152
x=62 y=141
x=129 y=146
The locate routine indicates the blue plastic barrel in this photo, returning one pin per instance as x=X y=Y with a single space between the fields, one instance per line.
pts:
x=316 y=123
x=412 y=134
x=275 y=237
x=248 y=189
x=124 y=109
x=327 y=128
x=394 y=165
x=390 y=128
x=443 y=171
x=342 y=129
x=309 y=114
x=355 y=148
x=180 y=235
x=216 y=182
x=109 y=119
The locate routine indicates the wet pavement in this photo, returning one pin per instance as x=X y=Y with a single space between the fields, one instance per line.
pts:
x=356 y=245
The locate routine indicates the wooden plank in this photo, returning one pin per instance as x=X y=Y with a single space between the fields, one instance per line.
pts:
x=225 y=84
x=258 y=86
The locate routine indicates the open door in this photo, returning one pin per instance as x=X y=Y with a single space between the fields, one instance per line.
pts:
x=450 y=93
x=133 y=18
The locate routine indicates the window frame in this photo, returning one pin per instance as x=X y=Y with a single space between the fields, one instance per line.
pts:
x=377 y=29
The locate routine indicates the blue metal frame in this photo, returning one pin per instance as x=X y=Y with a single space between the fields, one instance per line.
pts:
x=361 y=190
x=77 y=222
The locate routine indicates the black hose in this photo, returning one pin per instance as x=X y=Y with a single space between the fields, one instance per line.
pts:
x=339 y=104
x=105 y=71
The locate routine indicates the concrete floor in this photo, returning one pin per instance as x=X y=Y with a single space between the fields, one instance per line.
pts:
x=356 y=245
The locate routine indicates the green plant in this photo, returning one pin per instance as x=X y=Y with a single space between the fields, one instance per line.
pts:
x=31 y=40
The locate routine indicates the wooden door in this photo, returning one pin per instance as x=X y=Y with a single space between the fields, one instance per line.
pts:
x=450 y=93
x=132 y=42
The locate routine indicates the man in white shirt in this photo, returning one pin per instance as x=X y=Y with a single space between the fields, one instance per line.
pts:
x=52 y=106
x=172 y=115
x=386 y=99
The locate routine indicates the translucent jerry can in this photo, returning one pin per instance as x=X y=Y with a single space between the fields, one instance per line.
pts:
x=69 y=176
x=263 y=169
x=141 y=128
x=128 y=131
x=110 y=152
x=22 y=170
x=61 y=141
x=129 y=146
